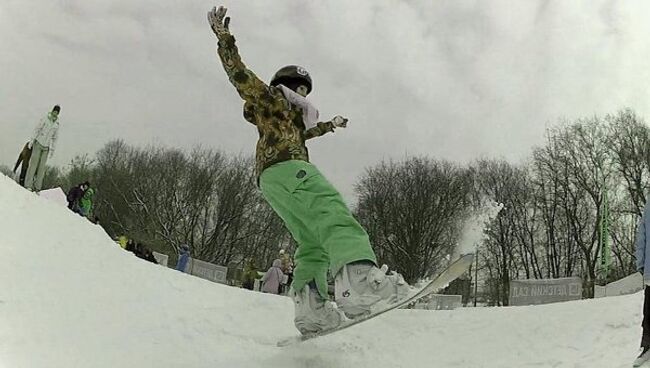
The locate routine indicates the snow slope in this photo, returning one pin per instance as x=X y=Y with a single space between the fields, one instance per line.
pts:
x=70 y=297
x=56 y=195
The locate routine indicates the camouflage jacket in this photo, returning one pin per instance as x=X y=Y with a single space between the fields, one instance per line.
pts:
x=280 y=124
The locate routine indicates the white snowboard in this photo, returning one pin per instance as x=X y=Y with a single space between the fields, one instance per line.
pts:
x=452 y=272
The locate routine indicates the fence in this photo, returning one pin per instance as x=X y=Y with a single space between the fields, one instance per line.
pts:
x=627 y=285
x=441 y=302
x=208 y=271
x=162 y=259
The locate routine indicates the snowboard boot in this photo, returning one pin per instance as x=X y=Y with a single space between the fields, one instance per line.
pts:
x=314 y=313
x=361 y=288
x=643 y=357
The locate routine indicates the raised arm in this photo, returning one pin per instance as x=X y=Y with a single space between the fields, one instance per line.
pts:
x=248 y=85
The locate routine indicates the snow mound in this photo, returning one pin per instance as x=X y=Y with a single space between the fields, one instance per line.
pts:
x=56 y=195
x=71 y=297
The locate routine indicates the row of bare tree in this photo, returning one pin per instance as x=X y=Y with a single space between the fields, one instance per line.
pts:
x=549 y=226
x=166 y=197
x=414 y=210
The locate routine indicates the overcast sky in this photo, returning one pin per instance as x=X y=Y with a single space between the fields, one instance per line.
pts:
x=449 y=79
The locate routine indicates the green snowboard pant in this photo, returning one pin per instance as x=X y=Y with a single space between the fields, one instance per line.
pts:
x=327 y=234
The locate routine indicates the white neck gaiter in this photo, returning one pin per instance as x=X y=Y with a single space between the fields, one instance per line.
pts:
x=309 y=112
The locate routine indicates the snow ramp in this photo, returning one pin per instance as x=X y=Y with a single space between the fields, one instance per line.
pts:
x=71 y=297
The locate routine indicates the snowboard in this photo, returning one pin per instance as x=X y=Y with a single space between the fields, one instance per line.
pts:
x=449 y=274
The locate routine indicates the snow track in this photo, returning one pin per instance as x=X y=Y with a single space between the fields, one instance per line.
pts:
x=70 y=297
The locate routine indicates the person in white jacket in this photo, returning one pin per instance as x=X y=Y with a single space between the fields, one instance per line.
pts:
x=42 y=145
x=272 y=280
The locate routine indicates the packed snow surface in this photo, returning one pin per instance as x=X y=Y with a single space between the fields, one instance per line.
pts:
x=70 y=297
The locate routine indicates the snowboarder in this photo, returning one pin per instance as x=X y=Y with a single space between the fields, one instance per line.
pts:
x=328 y=236
x=272 y=280
x=642 y=264
x=23 y=162
x=183 y=258
x=75 y=194
x=42 y=145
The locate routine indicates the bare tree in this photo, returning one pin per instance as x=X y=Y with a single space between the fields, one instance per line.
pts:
x=165 y=197
x=629 y=141
x=509 y=245
x=413 y=212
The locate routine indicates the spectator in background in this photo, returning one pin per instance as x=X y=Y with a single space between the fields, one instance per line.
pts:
x=75 y=194
x=183 y=258
x=23 y=161
x=143 y=252
x=130 y=245
x=122 y=240
x=42 y=146
x=86 y=203
x=250 y=275
x=148 y=255
x=272 y=280
x=287 y=269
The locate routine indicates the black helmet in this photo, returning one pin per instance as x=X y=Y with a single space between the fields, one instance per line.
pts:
x=292 y=74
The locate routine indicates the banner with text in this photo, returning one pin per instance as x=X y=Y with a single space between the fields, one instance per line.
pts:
x=527 y=292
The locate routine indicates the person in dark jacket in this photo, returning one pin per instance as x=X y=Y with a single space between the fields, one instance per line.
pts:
x=23 y=161
x=74 y=196
x=130 y=246
x=143 y=252
x=139 y=250
x=148 y=255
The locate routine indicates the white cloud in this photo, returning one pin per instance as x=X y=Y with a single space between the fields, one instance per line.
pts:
x=451 y=79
